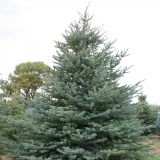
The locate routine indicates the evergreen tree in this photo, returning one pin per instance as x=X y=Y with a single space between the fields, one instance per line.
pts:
x=11 y=107
x=4 y=108
x=2 y=111
x=146 y=115
x=9 y=110
x=84 y=113
x=158 y=122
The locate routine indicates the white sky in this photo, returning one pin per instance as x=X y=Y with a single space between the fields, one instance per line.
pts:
x=28 y=29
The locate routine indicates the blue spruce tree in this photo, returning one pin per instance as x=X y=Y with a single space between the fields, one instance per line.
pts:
x=84 y=113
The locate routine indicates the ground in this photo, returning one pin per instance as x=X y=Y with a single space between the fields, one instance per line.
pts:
x=4 y=158
x=156 y=146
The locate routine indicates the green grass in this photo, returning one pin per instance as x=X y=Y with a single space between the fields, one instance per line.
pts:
x=155 y=146
x=154 y=158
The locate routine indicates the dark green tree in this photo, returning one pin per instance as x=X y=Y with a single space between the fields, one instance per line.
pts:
x=158 y=122
x=11 y=107
x=4 y=97
x=146 y=115
x=84 y=112
x=5 y=90
x=10 y=110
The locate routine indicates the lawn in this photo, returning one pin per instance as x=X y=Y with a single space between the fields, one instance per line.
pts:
x=155 y=148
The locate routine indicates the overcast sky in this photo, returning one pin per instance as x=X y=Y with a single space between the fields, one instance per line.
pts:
x=28 y=29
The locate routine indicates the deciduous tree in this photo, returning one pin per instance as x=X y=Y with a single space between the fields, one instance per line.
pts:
x=28 y=77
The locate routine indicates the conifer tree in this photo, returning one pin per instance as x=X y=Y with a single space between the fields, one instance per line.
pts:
x=84 y=113
x=11 y=107
x=9 y=110
x=146 y=115
x=158 y=122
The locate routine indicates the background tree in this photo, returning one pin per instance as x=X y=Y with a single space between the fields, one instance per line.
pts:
x=5 y=90
x=146 y=114
x=84 y=114
x=28 y=77
x=2 y=112
x=142 y=98
x=158 y=122
x=12 y=107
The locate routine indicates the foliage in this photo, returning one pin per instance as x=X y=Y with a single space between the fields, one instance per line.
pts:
x=154 y=157
x=3 y=111
x=158 y=122
x=5 y=90
x=10 y=110
x=142 y=98
x=28 y=77
x=11 y=107
x=84 y=113
x=146 y=115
